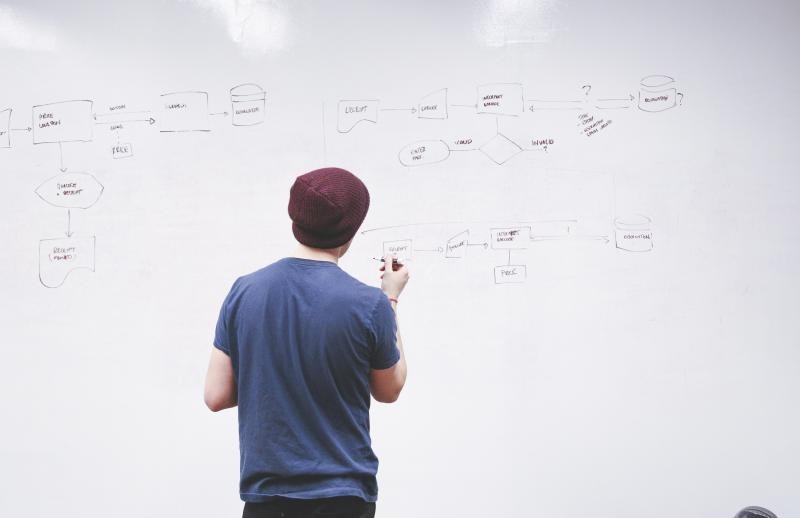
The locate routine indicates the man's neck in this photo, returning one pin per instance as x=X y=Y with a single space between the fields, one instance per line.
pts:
x=317 y=254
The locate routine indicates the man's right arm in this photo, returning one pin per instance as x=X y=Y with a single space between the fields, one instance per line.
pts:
x=386 y=384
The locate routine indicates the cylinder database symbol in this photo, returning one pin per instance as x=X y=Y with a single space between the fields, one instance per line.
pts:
x=248 y=102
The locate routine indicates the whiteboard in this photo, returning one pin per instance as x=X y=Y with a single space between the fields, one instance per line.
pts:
x=598 y=203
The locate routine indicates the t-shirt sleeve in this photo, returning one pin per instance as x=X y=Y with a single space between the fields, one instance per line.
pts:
x=384 y=351
x=222 y=337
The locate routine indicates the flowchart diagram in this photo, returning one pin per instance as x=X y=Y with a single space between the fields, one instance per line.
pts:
x=504 y=241
x=79 y=123
x=75 y=122
x=591 y=114
x=655 y=93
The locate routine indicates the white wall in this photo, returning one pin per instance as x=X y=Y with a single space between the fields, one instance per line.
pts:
x=658 y=383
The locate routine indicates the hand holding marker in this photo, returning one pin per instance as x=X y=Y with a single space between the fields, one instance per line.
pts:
x=393 y=281
x=395 y=263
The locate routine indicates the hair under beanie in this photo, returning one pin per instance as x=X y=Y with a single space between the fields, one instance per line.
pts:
x=327 y=206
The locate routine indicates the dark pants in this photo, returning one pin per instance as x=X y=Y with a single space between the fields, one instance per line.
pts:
x=337 y=507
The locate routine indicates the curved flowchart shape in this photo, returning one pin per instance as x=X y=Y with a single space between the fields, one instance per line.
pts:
x=351 y=112
x=423 y=152
x=61 y=256
x=71 y=190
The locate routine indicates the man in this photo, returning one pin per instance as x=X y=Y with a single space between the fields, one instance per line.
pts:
x=299 y=347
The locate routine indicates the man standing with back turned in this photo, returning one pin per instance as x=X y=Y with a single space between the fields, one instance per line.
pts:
x=299 y=347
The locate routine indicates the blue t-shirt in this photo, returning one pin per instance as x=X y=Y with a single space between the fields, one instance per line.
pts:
x=302 y=336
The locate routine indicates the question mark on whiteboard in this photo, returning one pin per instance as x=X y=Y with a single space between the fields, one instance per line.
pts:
x=586 y=90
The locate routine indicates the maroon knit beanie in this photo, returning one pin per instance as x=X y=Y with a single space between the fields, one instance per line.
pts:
x=327 y=206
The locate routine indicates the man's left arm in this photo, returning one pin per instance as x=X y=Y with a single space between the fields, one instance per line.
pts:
x=220 y=390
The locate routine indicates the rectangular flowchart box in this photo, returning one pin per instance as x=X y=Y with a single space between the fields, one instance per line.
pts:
x=401 y=249
x=67 y=121
x=512 y=238
x=510 y=274
x=184 y=111
x=501 y=99
x=122 y=150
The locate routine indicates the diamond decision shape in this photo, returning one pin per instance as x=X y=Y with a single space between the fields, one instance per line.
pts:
x=500 y=149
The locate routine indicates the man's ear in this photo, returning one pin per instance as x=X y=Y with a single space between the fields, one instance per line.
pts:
x=345 y=247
